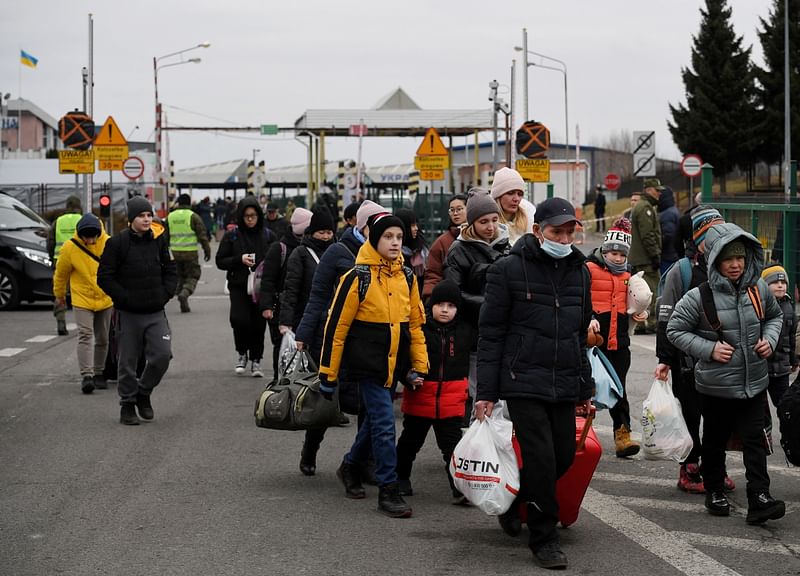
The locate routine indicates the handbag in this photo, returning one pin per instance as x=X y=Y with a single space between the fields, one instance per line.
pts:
x=295 y=402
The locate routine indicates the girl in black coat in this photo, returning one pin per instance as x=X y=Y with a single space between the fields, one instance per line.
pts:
x=240 y=251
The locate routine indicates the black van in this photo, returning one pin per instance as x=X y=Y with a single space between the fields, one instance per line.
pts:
x=26 y=271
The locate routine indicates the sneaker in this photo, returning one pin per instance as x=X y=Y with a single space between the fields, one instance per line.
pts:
x=100 y=382
x=144 y=407
x=391 y=503
x=729 y=485
x=241 y=364
x=510 y=521
x=255 y=369
x=689 y=479
x=127 y=415
x=763 y=507
x=404 y=486
x=87 y=384
x=184 y=302
x=551 y=556
x=624 y=445
x=717 y=504
x=349 y=476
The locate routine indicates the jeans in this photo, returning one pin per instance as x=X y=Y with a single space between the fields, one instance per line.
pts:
x=376 y=432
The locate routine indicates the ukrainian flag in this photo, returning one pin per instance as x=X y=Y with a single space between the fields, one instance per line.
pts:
x=27 y=59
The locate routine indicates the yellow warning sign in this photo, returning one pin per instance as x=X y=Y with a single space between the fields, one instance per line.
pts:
x=110 y=164
x=112 y=153
x=110 y=135
x=76 y=161
x=431 y=174
x=432 y=145
x=431 y=163
x=534 y=169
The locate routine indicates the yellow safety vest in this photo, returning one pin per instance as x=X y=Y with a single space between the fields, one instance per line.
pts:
x=65 y=229
x=181 y=236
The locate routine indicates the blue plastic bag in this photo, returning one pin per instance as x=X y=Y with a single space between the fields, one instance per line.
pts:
x=608 y=388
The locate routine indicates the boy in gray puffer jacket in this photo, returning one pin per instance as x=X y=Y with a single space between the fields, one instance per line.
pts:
x=731 y=372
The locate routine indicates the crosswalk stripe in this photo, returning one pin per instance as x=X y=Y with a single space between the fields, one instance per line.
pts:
x=631 y=479
x=42 y=338
x=8 y=352
x=652 y=537
x=739 y=544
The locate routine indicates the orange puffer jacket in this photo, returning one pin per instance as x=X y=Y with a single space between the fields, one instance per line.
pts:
x=610 y=303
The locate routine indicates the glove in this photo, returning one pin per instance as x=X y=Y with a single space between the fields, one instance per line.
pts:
x=655 y=264
x=326 y=388
x=207 y=257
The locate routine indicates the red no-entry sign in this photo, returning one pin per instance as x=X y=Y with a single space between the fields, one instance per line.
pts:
x=612 y=181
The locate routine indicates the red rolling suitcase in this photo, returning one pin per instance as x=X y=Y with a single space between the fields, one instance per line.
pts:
x=571 y=487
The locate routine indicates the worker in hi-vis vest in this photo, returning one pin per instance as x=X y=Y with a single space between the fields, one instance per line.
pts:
x=186 y=229
x=61 y=231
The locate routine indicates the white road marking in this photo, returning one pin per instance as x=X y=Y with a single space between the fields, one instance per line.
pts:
x=8 y=352
x=673 y=505
x=653 y=538
x=217 y=297
x=72 y=326
x=631 y=479
x=744 y=544
x=42 y=338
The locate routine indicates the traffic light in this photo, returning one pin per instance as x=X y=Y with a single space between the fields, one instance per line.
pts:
x=105 y=205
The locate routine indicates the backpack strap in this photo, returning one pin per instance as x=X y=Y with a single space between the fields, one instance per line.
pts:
x=686 y=273
x=283 y=253
x=85 y=250
x=364 y=278
x=710 y=309
x=755 y=299
x=313 y=254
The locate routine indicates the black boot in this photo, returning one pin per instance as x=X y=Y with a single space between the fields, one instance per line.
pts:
x=763 y=507
x=717 y=504
x=308 y=459
x=127 y=415
x=87 y=384
x=144 y=406
x=551 y=556
x=183 y=299
x=100 y=382
x=349 y=476
x=61 y=326
x=391 y=503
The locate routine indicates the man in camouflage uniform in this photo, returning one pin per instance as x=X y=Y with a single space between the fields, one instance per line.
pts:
x=645 y=253
x=186 y=229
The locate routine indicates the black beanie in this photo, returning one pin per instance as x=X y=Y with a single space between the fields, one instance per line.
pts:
x=137 y=205
x=378 y=223
x=320 y=220
x=446 y=291
x=184 y=200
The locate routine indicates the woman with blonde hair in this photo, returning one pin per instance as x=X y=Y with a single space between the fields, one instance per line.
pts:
x=508 y=190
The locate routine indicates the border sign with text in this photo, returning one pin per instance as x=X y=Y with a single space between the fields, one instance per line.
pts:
x=644 y=153
x=432 y=157
x=111 y=145
x=76 y=161
x=534 y=169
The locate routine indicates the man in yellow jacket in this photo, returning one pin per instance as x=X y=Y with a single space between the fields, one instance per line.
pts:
x=76 y=267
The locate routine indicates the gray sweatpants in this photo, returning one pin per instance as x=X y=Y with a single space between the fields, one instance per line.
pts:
x=136 y=332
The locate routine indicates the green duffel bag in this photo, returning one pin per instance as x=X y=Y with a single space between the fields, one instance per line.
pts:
x=294 y=402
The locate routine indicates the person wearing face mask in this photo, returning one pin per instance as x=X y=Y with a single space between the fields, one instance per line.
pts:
x=436 y=257
x=483 y=240
x=532 y=354
x=610 y=272
x=508 y=190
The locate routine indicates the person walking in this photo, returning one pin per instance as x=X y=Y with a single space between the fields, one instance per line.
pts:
x=186 y=230
x=375 y=327
x=138 y=273
x=508 y=190
x=608 y=266
x=532 y=355
x=669 y=219
x=731 y=373
x=206 y=212
x=784 y=359
x=482 y=241
x=645 y=253
x=415 y=250
x=434 y=270
x=277 y=224
x=60 y=232
x=76 y=268
x=600 y=209
x=241 y=250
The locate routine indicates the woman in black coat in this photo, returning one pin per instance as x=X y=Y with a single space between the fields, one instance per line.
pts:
x=240 y=251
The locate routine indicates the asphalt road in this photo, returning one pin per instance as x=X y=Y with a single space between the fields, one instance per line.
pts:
x=201 y=490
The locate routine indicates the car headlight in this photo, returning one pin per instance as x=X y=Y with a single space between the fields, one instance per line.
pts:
x=38 y=256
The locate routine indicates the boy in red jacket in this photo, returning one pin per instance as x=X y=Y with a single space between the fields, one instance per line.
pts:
x=440 y=401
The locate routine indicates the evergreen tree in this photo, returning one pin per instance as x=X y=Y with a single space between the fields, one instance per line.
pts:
x=716 y=121
x=770 y=114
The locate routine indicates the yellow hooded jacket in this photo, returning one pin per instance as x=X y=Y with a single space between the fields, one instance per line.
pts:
x=369 y=335
x=79 y=269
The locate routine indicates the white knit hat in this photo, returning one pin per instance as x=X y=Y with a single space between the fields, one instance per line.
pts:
x=506 y=180
x=301 y=218
x=368 y=208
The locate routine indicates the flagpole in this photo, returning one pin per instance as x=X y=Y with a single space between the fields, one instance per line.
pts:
x=19 y=103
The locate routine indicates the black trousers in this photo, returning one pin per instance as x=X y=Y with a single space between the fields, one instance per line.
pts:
x=247 y=323
x=778 y=385
x=415 y=430
x=691 y=407
x=723 y=416
x=621 y=412
x=546 y=436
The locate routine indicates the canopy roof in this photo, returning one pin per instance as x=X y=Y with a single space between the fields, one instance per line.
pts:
x=219 y=174
x=395 y=115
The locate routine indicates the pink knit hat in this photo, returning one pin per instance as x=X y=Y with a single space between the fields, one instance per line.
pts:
x=506 y=180
x=301 y=218
x=368 y=208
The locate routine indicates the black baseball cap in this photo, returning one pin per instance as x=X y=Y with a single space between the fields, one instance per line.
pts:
x=272 y=207
x=555 y=212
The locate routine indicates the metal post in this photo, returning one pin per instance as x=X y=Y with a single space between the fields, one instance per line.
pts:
x=512 y=100
x=787 y=122
x=525 y=77
x=90 y=109
x=358 y=165
x=550 y=187
x=706 y=182
x=477 y=161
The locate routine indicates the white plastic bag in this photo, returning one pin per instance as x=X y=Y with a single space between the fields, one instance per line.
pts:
x=288 y=356
x=664 y=432
x=484 y=466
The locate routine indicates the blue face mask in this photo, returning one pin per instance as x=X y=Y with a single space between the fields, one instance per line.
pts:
x=556 y=249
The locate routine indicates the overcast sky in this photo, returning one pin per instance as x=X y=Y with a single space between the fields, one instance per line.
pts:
x=269 y=61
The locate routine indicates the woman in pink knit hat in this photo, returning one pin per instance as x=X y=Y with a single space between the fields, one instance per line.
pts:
x=508 y=190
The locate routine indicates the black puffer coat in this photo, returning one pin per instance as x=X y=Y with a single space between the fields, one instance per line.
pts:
x=300 y=268
x=274 y=275
x=242 y=240
x=532 y=333
x=785 y=358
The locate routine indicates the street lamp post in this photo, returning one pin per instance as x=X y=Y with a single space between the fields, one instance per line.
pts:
x=156 y=68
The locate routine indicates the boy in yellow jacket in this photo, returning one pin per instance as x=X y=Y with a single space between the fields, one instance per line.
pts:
x=375 y=329
x=77 y=267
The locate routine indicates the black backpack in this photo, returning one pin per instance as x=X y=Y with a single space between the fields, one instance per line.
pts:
x=789 y=416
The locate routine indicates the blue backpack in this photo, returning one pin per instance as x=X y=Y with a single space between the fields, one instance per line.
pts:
x=685 y=266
